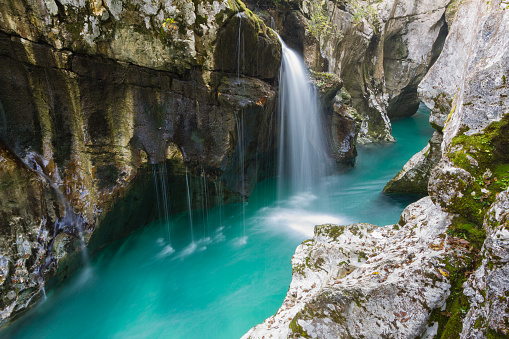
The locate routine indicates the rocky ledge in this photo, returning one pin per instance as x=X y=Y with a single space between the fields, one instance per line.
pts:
x=365 y=281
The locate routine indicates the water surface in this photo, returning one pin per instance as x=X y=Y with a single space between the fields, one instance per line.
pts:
x=230 y=278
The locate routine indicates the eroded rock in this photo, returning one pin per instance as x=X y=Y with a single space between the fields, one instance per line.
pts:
x=367 y=281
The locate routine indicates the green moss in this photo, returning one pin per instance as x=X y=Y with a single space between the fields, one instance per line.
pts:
x=298 y=269
x=450 y=321
x=296 y=328
x=494 y=334
x=362 y=255
x=489 y=149
x=479 y=323
x=200 y=20
x=462 y=228
x=331 y=231
x=237 y=5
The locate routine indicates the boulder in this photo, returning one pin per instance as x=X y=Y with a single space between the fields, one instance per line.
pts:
x=414 y=177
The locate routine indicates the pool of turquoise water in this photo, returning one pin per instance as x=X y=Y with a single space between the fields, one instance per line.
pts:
x=237 y=270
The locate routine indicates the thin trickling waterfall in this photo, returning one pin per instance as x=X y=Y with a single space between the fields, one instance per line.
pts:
x=69 y=223
x=162 y=195
x=205 y=202
x=240 y=46
x=219 y=200
x=239 y=120
x=189 y=207
x=303 y=156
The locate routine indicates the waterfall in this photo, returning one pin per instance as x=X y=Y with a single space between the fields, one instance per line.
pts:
x=205 y=203
x=189 y=207
x=303 y=155
x=239 y=121
x=219 y=200
x=160 y=176
x=69 y=223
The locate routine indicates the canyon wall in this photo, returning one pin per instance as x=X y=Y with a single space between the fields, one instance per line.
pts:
x=94 y=94
x=380 y=49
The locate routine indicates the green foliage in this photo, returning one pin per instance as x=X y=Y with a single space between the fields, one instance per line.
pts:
x=361 y=11
x=320 y=25
x=463 y=228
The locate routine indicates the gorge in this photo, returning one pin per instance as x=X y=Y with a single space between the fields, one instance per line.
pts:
x=163 y=114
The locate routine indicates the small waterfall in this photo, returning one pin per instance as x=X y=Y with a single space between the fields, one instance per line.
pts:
x=189 y=207
x=205 y=203
x=240 y=46
x=160 y=176
x=219 y=197
x=303 y=156
x=69 y=223
x=239 y=121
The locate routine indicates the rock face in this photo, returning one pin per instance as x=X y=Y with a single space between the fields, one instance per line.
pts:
x=93 y=95
x=162 y=35
x=359 y=281
x=381 y=51
x=488 y=286
x=341 y=119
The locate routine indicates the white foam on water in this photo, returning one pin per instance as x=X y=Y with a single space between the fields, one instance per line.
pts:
x=166 y=252
x=240 y=241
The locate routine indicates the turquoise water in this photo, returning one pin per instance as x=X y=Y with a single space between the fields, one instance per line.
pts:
x=235 y=274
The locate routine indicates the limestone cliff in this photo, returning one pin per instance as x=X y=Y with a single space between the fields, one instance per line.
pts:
x=380 y=49
x=441 y=272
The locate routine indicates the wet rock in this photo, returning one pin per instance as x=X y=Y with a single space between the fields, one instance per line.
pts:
x=96 y=97
x=173 y=36
x=381 y=51
x=414 y=35
x=345 y=127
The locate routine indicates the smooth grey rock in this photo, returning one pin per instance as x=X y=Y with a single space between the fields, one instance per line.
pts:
x=381 y=54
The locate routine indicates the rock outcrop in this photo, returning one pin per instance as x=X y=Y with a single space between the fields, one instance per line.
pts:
x=381 y=51
x=359 y=280
x=414 y=177
x=101 y=98
x=367 y=281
